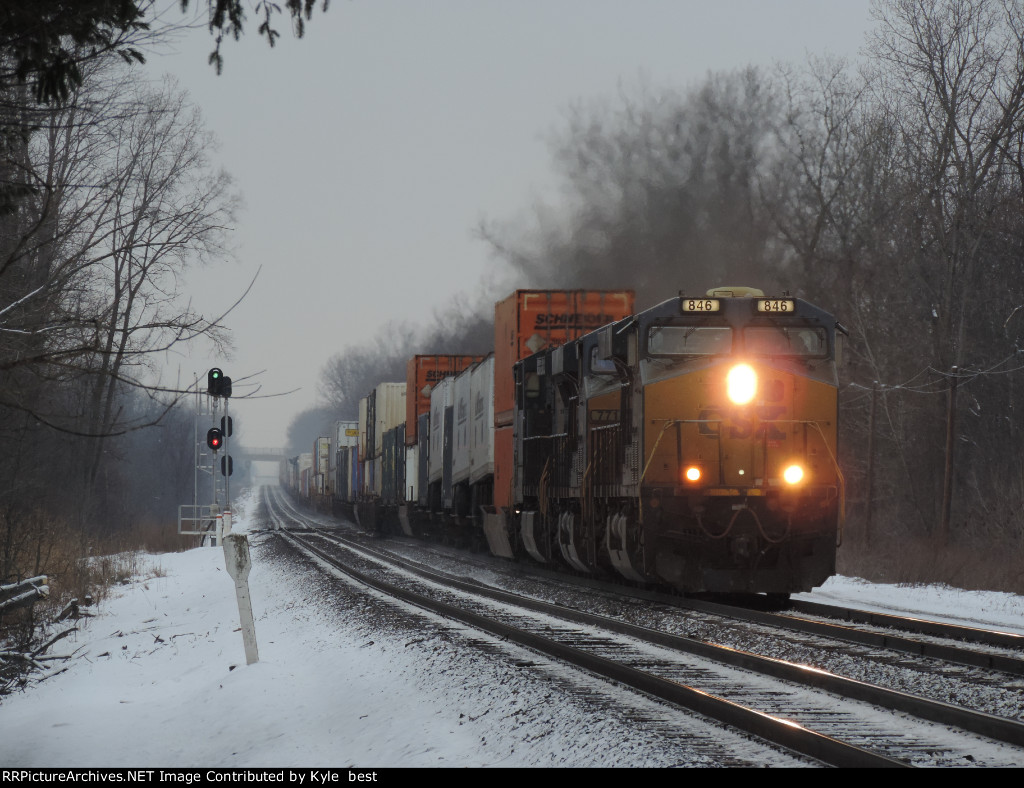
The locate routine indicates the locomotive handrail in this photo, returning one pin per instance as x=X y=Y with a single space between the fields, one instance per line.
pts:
x=585 y=492
x=654 y=448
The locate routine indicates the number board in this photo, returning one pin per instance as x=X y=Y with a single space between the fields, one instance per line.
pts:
x=776 y=305
x=701 y=305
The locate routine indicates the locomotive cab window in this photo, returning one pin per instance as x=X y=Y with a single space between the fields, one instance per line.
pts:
x=689 y=340
x=600 y=366
x=531 y=386
x=803 y=341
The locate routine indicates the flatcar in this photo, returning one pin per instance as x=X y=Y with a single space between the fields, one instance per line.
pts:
x=692 y=445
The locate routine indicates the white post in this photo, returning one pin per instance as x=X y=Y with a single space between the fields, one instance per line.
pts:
x=236 y=558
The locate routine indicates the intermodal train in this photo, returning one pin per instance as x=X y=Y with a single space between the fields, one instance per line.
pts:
x=691 y=445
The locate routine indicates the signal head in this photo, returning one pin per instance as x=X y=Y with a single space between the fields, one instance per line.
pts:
x=214 y=439
x=214 y=381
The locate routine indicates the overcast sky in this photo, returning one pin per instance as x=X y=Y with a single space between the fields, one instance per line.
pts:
x=368 y=151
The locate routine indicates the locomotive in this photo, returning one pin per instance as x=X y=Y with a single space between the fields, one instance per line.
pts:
x=692 y=445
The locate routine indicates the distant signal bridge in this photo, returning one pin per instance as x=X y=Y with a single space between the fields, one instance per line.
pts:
x=264 y=454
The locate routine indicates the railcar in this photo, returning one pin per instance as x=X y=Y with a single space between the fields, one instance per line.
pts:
x=691 y=445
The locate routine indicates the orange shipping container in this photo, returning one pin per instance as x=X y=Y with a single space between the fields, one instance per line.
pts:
x=503 y=467
x=424 y=371
x=531 y=320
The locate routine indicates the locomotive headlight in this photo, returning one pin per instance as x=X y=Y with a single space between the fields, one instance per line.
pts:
x=692 y=474
x=794 y=474
x=741 y=384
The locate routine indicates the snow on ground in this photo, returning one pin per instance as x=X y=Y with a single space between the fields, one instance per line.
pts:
x=160 y=678
x=982 y=609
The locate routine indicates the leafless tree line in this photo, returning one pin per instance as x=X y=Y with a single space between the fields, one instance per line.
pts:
x=111 y=196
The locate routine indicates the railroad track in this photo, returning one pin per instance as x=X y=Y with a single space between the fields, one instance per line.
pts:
x=826 y=717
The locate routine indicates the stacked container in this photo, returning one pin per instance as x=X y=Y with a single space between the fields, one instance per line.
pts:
x=529 y=321
x=388 y=413
x=481 y=436
x=365 y=465
x=439 y=459
x=462 y=404
x=305 y=473
x=346 y=460
x=422 y=374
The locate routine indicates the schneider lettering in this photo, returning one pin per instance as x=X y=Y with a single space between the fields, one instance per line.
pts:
x=572 y=320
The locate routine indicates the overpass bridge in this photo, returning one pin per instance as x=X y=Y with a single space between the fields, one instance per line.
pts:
x=262 y=453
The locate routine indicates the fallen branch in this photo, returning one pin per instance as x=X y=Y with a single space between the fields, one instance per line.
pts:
x=53 y=640
x=52 y=673
x=9 y=655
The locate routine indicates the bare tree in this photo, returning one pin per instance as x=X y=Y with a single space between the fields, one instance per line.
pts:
x=460 y=328
x=952 y=74
x=124 y=200
x=128 y=199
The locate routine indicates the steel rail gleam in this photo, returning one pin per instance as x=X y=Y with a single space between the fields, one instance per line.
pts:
x=779 y=731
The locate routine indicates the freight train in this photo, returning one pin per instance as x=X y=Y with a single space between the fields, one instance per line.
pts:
x=691 y=445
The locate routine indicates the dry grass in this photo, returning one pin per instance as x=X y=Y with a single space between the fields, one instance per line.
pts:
x=918 y=561
x=78 y=567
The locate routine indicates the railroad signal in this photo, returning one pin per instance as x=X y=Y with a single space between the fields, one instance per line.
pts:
x=226 y=426
x=214 y=439
x=227 y=465
x=214 y=381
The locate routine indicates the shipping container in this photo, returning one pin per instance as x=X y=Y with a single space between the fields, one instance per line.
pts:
x=388 y=412
x=367 y=479
x=531 y=320
x=462 y=404
x=393 y=467
x=348 y=474
x=346 y=433
x=289 y=474
x=321 y=455
x=345 y=438
x=412 y=478
x=481 y=441
x=504 y=467
x=440 y=429
x=423 y=459
x=305 y=469
x=371 y=425
x=422 y=374
x=362 y=426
